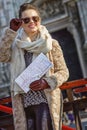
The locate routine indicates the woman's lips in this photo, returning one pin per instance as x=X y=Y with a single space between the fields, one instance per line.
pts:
x=31 y=26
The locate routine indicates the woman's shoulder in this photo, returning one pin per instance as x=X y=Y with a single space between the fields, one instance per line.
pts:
x=55 y=44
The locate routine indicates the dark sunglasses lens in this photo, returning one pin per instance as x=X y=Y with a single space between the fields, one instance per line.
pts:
x=26 y=20
x=35 y=18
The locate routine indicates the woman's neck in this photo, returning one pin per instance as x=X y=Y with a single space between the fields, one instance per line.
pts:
x=33 y=35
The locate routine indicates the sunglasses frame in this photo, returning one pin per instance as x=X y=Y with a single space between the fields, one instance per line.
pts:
x=28 y=19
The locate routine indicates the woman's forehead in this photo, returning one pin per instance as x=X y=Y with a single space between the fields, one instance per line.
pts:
x=29 y=13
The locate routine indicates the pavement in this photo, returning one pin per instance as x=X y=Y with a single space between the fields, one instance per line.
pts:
x=83 y=116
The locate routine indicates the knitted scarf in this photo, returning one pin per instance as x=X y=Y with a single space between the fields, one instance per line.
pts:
x=43 y=43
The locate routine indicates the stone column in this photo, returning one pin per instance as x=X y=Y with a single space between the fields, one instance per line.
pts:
x=82 y=7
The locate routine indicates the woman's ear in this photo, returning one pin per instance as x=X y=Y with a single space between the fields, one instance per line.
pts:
x=40 y=20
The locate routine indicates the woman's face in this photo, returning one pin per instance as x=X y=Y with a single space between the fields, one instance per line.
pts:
x=31 y=21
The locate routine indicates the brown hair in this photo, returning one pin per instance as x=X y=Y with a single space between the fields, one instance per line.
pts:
x=27 y=6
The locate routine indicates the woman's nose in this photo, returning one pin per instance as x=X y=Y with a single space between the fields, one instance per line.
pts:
x=31 y=20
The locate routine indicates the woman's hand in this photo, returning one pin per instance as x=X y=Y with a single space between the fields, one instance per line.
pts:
x=39 y=85
x=15 y=24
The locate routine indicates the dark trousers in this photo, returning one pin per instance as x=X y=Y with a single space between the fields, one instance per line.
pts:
x=38 y=117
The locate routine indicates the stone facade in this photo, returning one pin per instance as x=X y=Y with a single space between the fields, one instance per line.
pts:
x=56 y=15
x=6 y=13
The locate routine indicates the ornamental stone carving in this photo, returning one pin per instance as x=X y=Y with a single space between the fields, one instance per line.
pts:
x=49 y=8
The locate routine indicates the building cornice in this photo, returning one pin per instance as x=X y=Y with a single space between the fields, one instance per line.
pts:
x=67 y=1
x=57 y=23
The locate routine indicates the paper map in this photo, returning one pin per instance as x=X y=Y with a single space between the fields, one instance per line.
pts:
x=33 y=72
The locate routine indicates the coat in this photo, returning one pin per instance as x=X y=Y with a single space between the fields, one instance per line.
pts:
x=59 y=74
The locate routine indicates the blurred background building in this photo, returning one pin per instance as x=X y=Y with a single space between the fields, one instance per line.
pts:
x=67 y=22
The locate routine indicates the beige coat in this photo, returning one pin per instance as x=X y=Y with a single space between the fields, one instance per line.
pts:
x=59 y=75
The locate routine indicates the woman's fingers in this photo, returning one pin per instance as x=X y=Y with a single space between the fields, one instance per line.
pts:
x=39 y=85
x=35 y=83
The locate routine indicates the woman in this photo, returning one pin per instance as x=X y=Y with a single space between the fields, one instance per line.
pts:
x=41 y=107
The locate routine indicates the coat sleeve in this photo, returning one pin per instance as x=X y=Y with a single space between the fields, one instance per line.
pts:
x=5 y=45
x=61 y=72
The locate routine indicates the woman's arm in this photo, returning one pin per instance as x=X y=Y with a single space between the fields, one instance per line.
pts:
x=61 y=72
x=5 y=45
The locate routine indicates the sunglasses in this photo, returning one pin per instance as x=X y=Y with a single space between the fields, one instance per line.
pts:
x=27 y=20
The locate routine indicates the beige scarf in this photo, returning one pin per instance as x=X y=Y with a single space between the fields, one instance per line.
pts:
x=43 y=43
